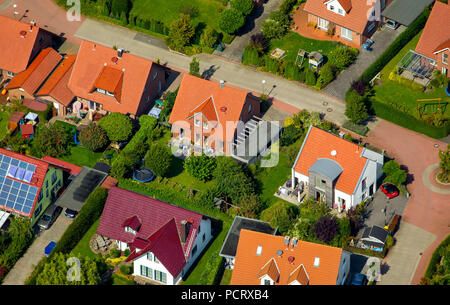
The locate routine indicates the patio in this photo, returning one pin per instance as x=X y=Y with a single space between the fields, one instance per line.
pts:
x=293 y=195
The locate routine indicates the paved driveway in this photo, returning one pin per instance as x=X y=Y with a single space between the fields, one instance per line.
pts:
x=24 y=266
x=382 y=38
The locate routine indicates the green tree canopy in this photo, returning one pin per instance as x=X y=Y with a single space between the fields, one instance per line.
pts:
x=272 y=29
x=181 y=32
x=194 y=67
x=281 y=215
x=200 y=167
x=444 y=164
x=52 y=141
x=159 y=159
x=209 y=37
x=93 y=137
x=118 y=126
x=245 y=7
x=355 y=109
x=230 y=21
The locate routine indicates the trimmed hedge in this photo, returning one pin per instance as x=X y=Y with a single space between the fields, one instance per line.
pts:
x=436 y=258
x=406 y=120
x=405 y=82
x=90 y=212
x=396 y=46
x=359 y=129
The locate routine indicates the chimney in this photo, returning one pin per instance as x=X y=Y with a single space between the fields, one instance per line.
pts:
x=222 y=84
x=33 y=22
x=184 y=231
x=94 y=47
x=294 y=243
x=31 y=27
x=286 y=241
x=119 y=53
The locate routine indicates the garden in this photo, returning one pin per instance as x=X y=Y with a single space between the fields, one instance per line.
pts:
x=438 y=272
x=281 y=51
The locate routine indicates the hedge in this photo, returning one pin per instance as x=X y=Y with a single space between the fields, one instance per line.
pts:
x=396 y=46
x=212 y=274
x=405 y=82
x=89 y=213
x=359 y=129
x=406 y=120
x=436 y=258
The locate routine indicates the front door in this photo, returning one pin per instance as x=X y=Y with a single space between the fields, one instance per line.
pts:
x=320 y=197
x=323 y=24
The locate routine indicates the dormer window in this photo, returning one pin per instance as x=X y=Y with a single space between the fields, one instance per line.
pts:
x=197 y=122
x=130 y=230
x=341 y=12
x=101 y=91
x=109 y=93
x=331 y=8
x=205 y=125
x=445 y=58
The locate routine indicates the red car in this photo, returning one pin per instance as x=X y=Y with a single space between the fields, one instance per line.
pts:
x=390 y=190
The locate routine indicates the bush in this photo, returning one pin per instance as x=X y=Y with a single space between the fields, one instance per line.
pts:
x=440 y=79
x=126 y=269
x=258 y=42
x=200 y=167
x=93 y=137
x=280 y=215
x=52 y=141
x=326 y=228
x=114 y=253
x=194 y=67
x=250 y=57
x=272 y=29
x=158 y=159
x=127 y=252
x=359 y=129
x=272 y=65
x=209 y=37
x=405 y=82
x=292 y=71
x=341 y=57
x=355 y=109
x=118 y=126
x=310 y=77
x=181 y=32
x=230 y=21
x=212 y=270
x=245 y=7
x=326 y=75
x=290 y=135
x=359 y=86
x=281 y=18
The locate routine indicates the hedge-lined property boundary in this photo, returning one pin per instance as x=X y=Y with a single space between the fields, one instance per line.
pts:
x=436 y=258
x=89 y=213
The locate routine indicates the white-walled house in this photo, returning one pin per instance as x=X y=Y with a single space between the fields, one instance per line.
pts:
x=336 y=171
x=164 y=239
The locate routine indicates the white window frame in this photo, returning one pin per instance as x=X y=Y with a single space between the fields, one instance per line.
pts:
x=109 y=93
x=340 y=12
x=445 y=55
x=101 y=91
x=197 y=122
x=323 y=21
x=249 y=108
x=444 y=70
x=345 y=32
x=10 y=74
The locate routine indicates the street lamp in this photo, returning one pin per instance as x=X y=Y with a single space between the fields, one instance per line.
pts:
x=263 y=82
x=15 y=12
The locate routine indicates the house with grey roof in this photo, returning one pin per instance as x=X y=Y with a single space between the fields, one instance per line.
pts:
x=374 y=238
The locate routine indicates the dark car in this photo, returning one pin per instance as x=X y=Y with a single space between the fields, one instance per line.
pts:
x=359 y=279
x=70 y=213
x=390 y=190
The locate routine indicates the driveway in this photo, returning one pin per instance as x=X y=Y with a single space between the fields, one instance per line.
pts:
x=382 y=38
x=25 y=265
x=252 y=26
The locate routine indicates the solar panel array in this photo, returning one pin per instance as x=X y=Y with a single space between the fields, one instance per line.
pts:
x=14 y=194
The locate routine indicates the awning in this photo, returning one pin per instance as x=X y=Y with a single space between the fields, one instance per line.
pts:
x=3 y=217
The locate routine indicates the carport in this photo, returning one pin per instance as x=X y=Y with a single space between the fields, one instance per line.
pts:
x=403 y=12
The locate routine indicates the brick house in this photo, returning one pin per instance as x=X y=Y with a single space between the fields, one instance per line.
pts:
x=207 y=113
x=434 y=43
x=105 y=80
x=350 y=22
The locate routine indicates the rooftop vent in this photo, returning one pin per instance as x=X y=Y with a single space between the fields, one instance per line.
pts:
x=114 y=59
x=294 y=241
x=291 y=259
x=316 y=261
x=222 y=84
x=223 y=109
x=279 y=253
x=119 y=53
x=286 y=241
x=23 y=33
x=259 y=250
x=333 y=153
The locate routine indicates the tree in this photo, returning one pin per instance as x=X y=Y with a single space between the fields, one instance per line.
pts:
x=120 y=6
x=159 y=159
x=20 y=231
x=250 y=56
x=181 y=32
x=59 y=270
x=303 y=229
x=444 y=164
x=52 y=141
x=230 y=21
x=292 y=71
x=200 y=167
x=249 y=206
x=258 y=42
x=194 y=67
x=290 y=135
x=272 y=29
x=230 y=180
x=245 y=7
x=209 y=37
x=326 y=228
x=118 y=126
x=326 y=74
x=341 y=57
x=281 y=18
x=398 y=178
x=93 y=137
x=390 y=167
x=280 y=215
x=355 y=109
x=359 y=86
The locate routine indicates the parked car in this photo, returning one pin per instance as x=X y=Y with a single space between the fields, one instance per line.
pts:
x=49 y=216
x=70 y=213
x=359 y=279
x=390 y=190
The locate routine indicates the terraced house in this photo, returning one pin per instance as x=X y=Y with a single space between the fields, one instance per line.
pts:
x=27 y=185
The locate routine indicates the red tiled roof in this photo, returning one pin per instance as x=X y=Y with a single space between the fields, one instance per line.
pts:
x=156 y=217
x=270 y=269
x=356 y=16
x=133 y=222
x=197 y=93
x=109 y=182
x=26 y=129
x=56 y=84
x=436 y=34
x=95 y=68
x=15 y=50
x=300 y=275
x=36 y=181
x=319 y=144
x=73 y=169
x=248 y=265
x=37 y=72
x=16 y=116
x=443 y=46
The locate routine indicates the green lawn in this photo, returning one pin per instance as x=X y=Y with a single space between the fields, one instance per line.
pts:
x=292 y=42
x=120 y=281
x=82 y=156
x=4 y=116
x=226 y=278
x=83 y=245
x=167 y=11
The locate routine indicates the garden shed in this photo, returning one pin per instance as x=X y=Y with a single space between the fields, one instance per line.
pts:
x=14 y=120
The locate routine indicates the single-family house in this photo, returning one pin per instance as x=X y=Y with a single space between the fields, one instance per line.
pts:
x=229 y=247
x=374 y=238
x=207 y=113
x=335 y=171
x=20 y=43
x=265 y=259
x=434 y=43
x=164 y=239
x=105 y=80
x=27 y=185
x=350 y=22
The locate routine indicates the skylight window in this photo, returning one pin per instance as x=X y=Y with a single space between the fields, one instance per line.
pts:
x=28 y=176
x=259 y=250
x=20 y=173
x=12 y=171
x=316 y=261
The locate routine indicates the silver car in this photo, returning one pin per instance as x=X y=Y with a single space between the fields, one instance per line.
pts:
x=49 y=216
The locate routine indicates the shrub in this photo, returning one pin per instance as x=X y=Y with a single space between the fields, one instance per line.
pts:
x=281 y=18
x=52 y=141
x=212 y=270
x=127 y=252
x=390 y=167
x=126 y=269
x=310 y=77
x=444 y=165
x=230 y=21
x=440 y=79
x=200 y=167
x=194 y=67
x=326 y=228
x=359 y=86
x=272 y=29
x=118 y=126
x=114 y=253
x=258 y=42
x=359 y=129
x=389 y=241
x=93 y=137
x=249 y=206
x=355 y=109
x=250 y=56
x=209 y=37
x=181 y=32
x=290 y=135
x=287 y=6
x=280 y=215
x=292 y=71
x=158 y=159
x=341 y=57
x=245 y=7
x=405 y=82
x=271 y=64
x=326 y=75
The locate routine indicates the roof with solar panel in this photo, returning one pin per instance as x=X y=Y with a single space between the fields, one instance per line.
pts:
x=21 y=179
